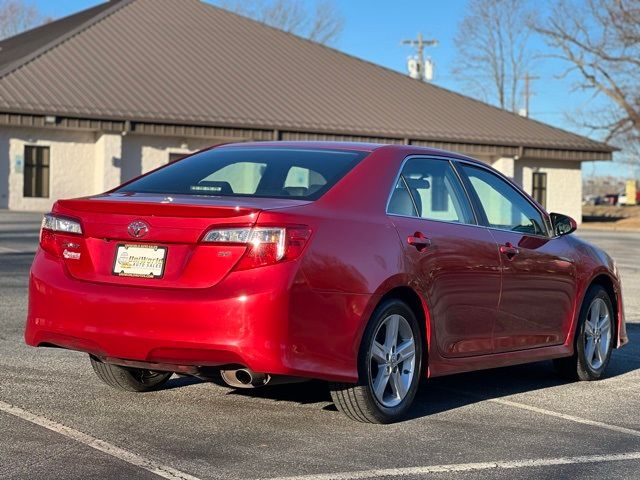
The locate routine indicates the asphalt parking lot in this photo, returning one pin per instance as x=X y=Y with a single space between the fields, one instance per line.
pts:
x=58 y=421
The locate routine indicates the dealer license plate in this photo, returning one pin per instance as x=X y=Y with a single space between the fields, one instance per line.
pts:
x=144 y=261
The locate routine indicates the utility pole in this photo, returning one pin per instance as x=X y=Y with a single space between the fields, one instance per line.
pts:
x=527 y=92
x=419 y=69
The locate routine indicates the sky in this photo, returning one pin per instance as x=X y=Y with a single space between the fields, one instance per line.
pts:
x=374 y=30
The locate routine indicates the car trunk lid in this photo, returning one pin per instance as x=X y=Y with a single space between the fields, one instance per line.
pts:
x=113 y=223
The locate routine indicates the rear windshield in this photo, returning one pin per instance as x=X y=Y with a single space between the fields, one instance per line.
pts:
x=277 y=173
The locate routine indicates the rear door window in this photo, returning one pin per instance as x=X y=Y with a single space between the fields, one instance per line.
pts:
x=254 y=172
x=429 y=188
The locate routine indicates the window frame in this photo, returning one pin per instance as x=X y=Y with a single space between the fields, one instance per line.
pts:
x=477 y=204
x=398 y=177
x=541 y=189
x=45 y=169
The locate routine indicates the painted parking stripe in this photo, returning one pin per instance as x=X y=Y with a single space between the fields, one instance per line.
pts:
x=93 y=442
x=564 y=416
x=9 y=250
x=468 y=467
x=544 y=411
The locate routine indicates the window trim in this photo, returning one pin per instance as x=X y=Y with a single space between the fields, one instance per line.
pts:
x=543 y=190
x=45 y=167
x=399 y=177
x=518 y=190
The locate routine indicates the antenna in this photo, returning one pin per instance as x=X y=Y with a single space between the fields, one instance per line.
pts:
x=419 y=67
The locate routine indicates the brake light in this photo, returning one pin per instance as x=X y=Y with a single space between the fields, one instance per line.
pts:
x=265 y=245
x=52 y=224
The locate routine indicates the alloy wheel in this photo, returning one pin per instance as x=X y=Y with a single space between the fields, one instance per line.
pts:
x=597 y=333
x=392 y=360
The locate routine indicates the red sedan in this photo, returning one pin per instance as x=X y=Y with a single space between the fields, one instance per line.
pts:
x=369 y=266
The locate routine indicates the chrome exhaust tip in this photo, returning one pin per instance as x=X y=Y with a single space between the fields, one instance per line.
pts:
x=244 y=378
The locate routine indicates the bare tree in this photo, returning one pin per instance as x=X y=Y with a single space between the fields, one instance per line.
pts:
x=600 y=41
x=323 y=24
x=17 y=16
x=493 y=50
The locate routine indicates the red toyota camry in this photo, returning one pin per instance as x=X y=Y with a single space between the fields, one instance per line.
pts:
x=369 y=266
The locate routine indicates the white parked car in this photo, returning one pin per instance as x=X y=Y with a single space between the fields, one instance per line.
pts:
x=622 y=198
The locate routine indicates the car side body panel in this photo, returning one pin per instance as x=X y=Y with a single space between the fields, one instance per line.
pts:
x=538 y=292
x=463 y=291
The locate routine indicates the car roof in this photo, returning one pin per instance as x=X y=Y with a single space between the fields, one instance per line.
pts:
x=356 y=146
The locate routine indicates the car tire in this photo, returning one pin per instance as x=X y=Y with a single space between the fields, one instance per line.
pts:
x=129 y=379
x=594 y=339
x=396 y=363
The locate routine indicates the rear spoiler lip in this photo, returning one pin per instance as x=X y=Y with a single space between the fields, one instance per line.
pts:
x=150 y=208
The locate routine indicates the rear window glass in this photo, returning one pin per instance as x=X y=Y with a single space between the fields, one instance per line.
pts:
x=277 y=173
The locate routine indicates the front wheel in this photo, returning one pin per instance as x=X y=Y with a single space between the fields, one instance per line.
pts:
x=594 y=338
x=389 y=366
x=129 y=379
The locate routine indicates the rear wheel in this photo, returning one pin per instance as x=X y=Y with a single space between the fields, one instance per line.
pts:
x=129 y=379
x=389 y=366
x=594 y=338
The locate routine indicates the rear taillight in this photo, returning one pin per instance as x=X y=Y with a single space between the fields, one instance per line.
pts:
x=265 y=245
x=52 y=225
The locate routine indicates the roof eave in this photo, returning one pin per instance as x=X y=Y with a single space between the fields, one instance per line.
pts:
x=287 y=132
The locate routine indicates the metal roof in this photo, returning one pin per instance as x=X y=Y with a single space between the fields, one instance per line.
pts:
x=184 y=62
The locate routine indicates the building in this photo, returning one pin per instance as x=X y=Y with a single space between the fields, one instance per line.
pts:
x=96 y=98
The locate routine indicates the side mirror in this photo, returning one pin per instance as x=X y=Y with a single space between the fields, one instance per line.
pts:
x=563 y=224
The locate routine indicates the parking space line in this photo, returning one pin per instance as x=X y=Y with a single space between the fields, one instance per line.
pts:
x=564 y=416
x=101 y=445
x=550 y=413
x=9 y=250
x=468 y=467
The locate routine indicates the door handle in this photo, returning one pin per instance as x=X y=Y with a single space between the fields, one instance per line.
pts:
x=509 y=250
x=419 y=241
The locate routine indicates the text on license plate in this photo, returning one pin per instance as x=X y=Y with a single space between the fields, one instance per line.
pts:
x=146 y=261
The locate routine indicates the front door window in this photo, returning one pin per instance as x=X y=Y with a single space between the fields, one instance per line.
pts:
x=505 y=208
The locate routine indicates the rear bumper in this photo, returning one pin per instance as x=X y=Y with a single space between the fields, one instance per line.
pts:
x=265 y=319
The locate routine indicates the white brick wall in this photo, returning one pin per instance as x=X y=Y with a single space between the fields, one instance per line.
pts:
x=72 y=157
x=564 y=181
x=141 y=153
x=108 y=159
x=505 y=165
x=564 y=184
x=85 y=163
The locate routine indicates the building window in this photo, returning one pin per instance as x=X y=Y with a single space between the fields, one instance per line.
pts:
x=539 y=190
x=173 y=156
x=36 y=172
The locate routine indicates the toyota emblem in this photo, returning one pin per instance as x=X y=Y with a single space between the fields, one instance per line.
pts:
x=138 y=229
